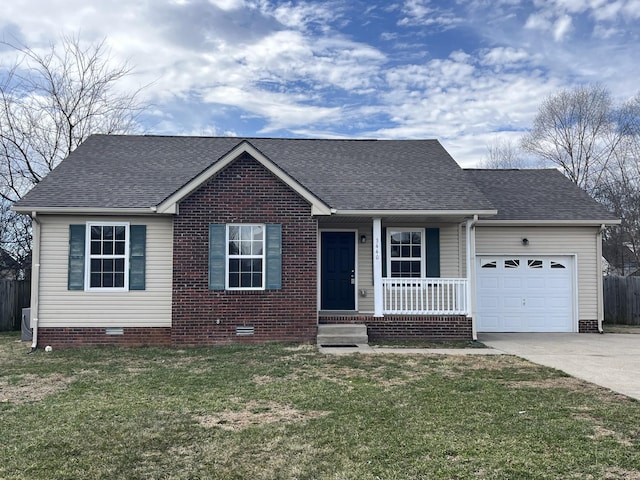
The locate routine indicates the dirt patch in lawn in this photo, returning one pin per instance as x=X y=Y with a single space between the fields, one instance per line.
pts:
x=257 y=414
x=31 y=388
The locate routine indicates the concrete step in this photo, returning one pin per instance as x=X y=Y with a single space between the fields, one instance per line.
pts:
x=345 y=334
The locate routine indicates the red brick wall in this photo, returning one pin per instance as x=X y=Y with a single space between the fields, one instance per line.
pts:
x=410 y=327
x=588 y=326
x=244 y=192
x=66 y=337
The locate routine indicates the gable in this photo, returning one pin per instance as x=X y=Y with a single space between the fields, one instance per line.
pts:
x=170 y=205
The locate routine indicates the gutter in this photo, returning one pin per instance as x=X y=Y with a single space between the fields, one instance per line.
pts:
x=599 y=278
x=35 y=280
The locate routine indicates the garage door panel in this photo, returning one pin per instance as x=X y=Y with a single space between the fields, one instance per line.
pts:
x=525 y=294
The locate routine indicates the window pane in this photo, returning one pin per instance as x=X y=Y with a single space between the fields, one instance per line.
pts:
x=107 y=248
x=416 y=238
x=120 y=247
x=107 y=280
x=416 y=252
x=258 y=233
x=120 y=232
x=245 y=233
x=406 y=238
x=395 y=251
x=107 y=233
x=234 y=265
x=245 y=247
x=257 y=265
x=245 y=265
x=234 y=280
x=396 y=237
x=257 y=280
x=96 y=248
x=96 y=233
x=234 y=247
x=257 y=247
x=107 y=265
x=119 y=265
x=406 y=252
x=119 y=280
x=95 y=280
x=245 y=280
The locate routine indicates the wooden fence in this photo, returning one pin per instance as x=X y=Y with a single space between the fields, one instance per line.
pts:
x=622 y=300
x=14 y=296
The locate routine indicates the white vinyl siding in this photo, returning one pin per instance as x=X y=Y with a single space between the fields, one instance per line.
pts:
x=579 y=241
x=60 y=307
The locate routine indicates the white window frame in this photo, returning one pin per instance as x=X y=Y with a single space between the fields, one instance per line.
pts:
x=89 y=257
x=423 y=249
x=229 y=257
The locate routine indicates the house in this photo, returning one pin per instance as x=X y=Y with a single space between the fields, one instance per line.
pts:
x=10 y=268
x=183 y=241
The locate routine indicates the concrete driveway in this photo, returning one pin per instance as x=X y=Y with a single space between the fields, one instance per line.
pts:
x=609 y=360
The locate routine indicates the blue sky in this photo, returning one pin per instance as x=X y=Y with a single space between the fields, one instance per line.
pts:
x=467 y=72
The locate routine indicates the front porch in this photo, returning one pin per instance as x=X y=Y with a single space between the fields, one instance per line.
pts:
x=405 y=277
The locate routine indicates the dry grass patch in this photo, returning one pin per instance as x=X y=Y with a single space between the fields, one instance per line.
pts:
x=31 y=388
x=257 y=414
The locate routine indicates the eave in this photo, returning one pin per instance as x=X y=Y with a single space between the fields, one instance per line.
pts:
x=550 y=223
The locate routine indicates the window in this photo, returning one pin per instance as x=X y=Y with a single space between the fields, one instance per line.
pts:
x=489 y=264
x=245 y=256
x=406 y=253
x=534 y=263
x=557 y=265
x=107 y=257
x=512 y=263
x=107 y=253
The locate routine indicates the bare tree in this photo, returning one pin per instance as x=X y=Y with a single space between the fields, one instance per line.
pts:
x=505 y=154
x=578 y=130
x=50 y=102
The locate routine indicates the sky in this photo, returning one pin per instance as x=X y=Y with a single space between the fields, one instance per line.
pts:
x=467 y=72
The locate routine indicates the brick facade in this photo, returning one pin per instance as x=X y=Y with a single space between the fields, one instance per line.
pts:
x=66 y=337
x=588 y=326
x=244 y=192
x=409 y=327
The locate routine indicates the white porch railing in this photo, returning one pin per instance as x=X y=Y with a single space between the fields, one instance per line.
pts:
x=424 y=296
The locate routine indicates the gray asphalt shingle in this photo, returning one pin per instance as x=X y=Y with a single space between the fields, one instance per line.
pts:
x=541 y=194
x=141 y=171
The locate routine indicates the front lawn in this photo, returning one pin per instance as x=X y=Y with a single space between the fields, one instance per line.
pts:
x=282 y=411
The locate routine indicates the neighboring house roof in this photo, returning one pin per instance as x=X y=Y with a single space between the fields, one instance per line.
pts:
x=538 y=195
x=7 y=261
x=142 y=171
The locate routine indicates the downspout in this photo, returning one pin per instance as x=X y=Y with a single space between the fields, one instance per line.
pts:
x=35 y=280
x=471 y=255
x=599 y=278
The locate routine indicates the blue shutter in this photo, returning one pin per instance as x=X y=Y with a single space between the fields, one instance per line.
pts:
x=217 y=261
x=433 y=251
x=75 y=279
x=137 y=256
x=273 y=257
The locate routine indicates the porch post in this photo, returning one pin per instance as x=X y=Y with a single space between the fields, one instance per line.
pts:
x=471 y=261
x=377 y=267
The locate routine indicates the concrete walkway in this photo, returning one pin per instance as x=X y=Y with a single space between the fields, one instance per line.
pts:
x=609 y=360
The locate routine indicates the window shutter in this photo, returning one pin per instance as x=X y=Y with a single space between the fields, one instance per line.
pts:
x=217 y=263
x=137 y=256
x=433 y=251
x=75 y=280
x=273 y=257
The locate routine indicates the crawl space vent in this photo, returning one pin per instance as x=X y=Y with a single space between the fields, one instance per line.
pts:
x=114 y=331
x=241 y=331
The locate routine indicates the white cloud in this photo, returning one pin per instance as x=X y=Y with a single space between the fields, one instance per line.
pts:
x=561 y=27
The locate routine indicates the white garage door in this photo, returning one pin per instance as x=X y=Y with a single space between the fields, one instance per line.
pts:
x=524 y=294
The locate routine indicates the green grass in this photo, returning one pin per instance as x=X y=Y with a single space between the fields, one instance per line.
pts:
x=278 y=411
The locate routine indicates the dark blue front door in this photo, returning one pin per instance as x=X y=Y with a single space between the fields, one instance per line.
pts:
x=337 y=284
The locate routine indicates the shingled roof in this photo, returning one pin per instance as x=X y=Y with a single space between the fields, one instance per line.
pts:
x=542 y=195
x=141 y=171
